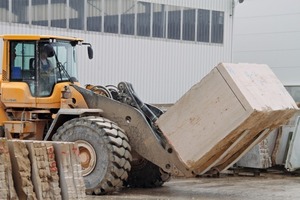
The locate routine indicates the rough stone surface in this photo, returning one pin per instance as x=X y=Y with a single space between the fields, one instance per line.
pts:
x=40 y=170
x=69 y=179
x=77 y=172
x=21 y=167
x=7 y=190
x=54 y=183
x=45 y=182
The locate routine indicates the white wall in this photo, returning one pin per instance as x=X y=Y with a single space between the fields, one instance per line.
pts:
x=160 y=70
x=268 y=31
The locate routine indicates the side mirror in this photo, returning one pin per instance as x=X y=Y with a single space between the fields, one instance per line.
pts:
x=49 y=50
x=90 y=52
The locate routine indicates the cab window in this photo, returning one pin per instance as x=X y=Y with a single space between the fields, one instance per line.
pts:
x=21 y=53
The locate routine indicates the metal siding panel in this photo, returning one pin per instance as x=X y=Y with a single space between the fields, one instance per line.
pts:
x=269 y=36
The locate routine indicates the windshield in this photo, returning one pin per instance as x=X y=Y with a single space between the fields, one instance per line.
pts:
x=64 y=60
x=56 y=62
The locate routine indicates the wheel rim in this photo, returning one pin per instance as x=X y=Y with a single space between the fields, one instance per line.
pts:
x=87 y=156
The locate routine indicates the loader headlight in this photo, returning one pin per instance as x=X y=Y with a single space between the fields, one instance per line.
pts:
x=66 y=93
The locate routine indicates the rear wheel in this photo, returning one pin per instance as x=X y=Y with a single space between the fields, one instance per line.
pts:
x=145 y=174
x=104 y=152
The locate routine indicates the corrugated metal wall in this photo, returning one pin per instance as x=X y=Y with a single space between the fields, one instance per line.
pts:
x=269 y=36
x=161 y=70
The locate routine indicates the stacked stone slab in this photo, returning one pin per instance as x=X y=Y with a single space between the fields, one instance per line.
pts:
x=40 y=170
x=71 y=181
x=77 y=172
x=21 y=167
x=54 y=184
x=258 y=157
x=7 y=190
x=46 y=183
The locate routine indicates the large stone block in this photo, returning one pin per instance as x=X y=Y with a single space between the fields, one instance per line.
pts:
x=223 y=116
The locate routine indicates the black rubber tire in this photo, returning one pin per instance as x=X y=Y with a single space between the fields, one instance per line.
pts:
x=145 y=174
x=111 y=148
x=2 y=133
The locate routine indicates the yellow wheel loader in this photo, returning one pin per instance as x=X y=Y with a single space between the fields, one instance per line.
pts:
x=52 y=106
x=122 y=140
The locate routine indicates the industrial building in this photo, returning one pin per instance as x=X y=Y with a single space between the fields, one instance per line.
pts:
x=161 y=47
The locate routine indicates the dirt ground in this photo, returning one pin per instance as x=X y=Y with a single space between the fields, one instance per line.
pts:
x=267 y=186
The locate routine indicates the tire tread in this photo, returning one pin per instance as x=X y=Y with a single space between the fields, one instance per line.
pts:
x=118 y=145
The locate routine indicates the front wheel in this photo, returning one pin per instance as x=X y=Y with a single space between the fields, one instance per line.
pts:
x=104 y=152
x=145 y=174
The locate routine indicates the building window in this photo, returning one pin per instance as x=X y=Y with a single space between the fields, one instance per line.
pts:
x=127 y=17
x=20 y=11
x=188 y=24
x=58 y=13
x=203 y=25
x=217 y=29
x=174 y=17
x=76 y=14
x=143 y=18
x=111 y=18
x=159 y=21
x=94 y=15
x=39 y=12
x=4 y=12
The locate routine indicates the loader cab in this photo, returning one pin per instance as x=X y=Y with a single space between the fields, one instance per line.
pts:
x=42 y=64
x=26 y=80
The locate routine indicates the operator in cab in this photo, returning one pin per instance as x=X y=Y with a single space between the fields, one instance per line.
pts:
x=46 y=72
x=45 y=64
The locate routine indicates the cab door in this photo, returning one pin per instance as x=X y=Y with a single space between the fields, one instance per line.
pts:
x=19 y=88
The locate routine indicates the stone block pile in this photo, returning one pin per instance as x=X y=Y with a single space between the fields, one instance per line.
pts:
x=40 y=170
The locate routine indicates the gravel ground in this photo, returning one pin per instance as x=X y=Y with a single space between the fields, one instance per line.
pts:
x=268 y=186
